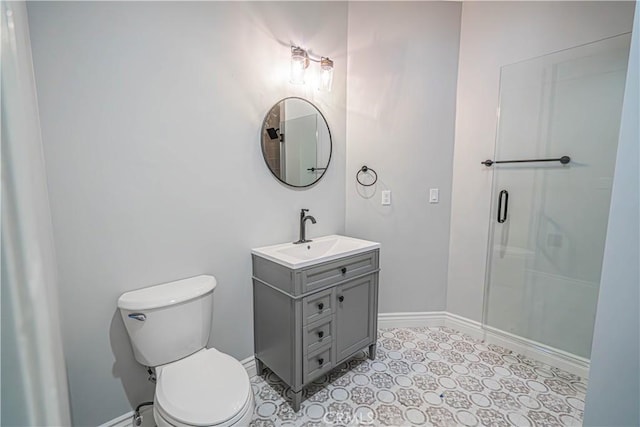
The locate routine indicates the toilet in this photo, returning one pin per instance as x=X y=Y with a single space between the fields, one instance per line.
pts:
x=169 y=326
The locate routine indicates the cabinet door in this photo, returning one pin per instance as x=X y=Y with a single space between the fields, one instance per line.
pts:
x=355 y=311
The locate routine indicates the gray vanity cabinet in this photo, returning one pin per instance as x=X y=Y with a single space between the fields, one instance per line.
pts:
x=356 y=313
x=309 y=320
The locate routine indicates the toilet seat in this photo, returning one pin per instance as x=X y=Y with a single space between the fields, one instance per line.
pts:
x=208 y=388
x=242 y=419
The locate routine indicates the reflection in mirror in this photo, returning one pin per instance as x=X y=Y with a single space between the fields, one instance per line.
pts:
x=296 y=142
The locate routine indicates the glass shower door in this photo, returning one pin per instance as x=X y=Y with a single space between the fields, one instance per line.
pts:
x=549 y=219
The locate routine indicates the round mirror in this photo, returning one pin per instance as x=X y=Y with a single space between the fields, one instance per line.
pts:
x=296 y=142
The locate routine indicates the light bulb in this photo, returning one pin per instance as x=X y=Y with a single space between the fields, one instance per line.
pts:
x=299 y=62
x=326 y=75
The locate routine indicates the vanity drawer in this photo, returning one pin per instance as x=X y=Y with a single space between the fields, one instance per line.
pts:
x=317 y=306
x=317 y=335
x=335 y=271
x=317 y=363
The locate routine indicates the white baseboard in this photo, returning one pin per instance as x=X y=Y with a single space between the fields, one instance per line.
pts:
x=126 y=420
x=552 y=356
x=411 y=320
x=122 y=421
x=549 y=355
x=250 y=365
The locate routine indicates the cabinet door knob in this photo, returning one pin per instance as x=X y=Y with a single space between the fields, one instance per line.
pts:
x=344 y=270
x=320 y=306
x=320 y=361
x=320 y=334
x=341 y=298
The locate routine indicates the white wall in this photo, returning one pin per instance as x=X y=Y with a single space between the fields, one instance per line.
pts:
x=613 y=397
x=495 y=34
x=151 y=115
x=400 y=114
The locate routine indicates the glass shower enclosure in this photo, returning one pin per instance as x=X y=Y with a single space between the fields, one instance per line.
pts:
x=549 y=218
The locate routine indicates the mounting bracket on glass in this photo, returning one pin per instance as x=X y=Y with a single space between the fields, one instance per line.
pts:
x=365 y=169
x=564 y=160
x=316 y=169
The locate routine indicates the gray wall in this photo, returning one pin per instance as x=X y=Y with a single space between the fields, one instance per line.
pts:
x=403 y=59
x=495 y=34
x=613 y=397
x=151 y=116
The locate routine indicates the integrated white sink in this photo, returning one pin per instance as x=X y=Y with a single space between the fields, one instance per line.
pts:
x=321 y=249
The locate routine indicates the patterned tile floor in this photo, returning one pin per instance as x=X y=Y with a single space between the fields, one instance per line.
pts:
x=429 y=376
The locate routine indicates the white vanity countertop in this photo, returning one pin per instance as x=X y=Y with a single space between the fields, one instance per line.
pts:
x=320 y=249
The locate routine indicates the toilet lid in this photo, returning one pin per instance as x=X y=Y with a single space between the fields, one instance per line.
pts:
x=204 y=389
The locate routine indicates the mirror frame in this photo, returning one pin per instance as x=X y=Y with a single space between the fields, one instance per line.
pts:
x=264 y=154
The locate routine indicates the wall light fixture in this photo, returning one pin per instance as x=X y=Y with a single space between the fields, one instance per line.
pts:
x=300 y=61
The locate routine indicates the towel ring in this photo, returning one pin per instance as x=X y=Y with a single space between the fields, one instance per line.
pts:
x=365 y=169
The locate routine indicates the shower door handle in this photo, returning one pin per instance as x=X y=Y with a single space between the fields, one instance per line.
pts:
x=503 y=204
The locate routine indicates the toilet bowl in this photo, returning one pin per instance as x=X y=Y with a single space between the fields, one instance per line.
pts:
x=208 y=388
x=169 y=327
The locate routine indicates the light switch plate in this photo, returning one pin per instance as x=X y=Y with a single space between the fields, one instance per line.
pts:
x=434 y=195
x=386 y=197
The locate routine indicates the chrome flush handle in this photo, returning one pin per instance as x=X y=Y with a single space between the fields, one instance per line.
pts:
x=138 y=316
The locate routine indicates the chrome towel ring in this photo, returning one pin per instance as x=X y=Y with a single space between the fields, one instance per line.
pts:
x=365 y=169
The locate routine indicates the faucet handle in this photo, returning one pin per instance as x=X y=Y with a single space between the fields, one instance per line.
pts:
x=302 y=211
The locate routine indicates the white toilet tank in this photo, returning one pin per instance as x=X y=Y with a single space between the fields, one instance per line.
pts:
x=170 y=321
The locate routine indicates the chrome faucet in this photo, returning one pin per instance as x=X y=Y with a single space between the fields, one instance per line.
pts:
x=303 y=220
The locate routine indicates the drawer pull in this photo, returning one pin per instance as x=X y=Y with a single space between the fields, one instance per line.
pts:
x=344 y=270
x=320 y=361
x=341 y=298
x=320 y=334
x=320 y=306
